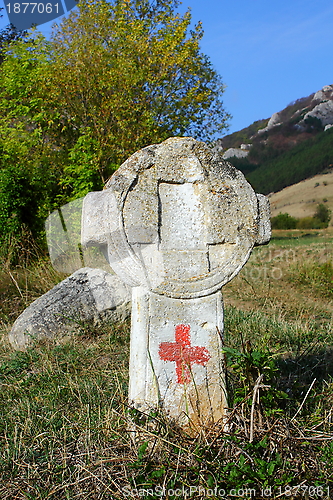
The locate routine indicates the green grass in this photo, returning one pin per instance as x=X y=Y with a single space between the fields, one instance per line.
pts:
x=59 y=412
x=64 y=413
x=297 y=237
x=63 y=427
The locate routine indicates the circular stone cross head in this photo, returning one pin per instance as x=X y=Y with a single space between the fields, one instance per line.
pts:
x=178 y=219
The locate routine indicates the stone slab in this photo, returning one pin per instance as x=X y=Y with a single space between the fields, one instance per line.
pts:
x=89 y=296
x=181 y=197
x=176 y=359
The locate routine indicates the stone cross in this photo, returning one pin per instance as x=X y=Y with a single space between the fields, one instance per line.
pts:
x=177 y=222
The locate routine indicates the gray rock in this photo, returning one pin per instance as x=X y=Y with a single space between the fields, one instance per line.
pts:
x=323 y=111
x=324 y=94
x=88 y=296
x=235 y=152
x=177 y=219
x=274 y=120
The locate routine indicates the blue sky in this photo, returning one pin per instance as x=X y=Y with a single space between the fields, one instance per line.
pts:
x=268 y=52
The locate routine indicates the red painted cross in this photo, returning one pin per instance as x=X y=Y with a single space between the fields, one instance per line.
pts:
x=183 y=353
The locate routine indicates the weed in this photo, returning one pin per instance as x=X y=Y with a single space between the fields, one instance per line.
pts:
x=254 y=370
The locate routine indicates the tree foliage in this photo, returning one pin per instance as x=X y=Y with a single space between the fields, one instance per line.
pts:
x=306 y=159
x=8 y=35
x=320 y=219
x=283 y=221
x=323 y=214
x=113 y=78
x=29 y=174
x=130 y=74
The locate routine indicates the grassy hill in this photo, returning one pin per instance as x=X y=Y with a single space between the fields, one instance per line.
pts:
x=301 y=199
x=271 y=168
x=306 y=159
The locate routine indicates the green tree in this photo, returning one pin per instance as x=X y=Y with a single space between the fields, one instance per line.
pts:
x=283 y=221
x=114 y=78
x=8 y=35
x=323 y=214
x=313 y=124
x=128 y=74
x=29 y=175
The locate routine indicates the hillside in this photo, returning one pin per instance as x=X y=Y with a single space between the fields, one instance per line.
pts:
x=308 y=158
x=292 y=145
x=301 y=199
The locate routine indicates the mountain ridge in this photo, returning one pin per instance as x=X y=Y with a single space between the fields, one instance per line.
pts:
x=292 y=145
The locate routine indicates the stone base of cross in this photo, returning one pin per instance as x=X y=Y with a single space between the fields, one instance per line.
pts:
x=176 y=361
x=176 y=223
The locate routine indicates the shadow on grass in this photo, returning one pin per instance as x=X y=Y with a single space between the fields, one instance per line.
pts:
x=297 y=373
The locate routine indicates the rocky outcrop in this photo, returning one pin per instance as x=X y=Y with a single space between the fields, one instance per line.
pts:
x=274 y=120
x=321 y=107
x=235 y=152
x=323 y=111
x=324 y=94
x=89 y=296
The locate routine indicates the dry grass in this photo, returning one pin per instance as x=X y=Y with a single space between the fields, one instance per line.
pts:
x=23 y=283
x=266 y=282
x=301 y=199
x=64 y=414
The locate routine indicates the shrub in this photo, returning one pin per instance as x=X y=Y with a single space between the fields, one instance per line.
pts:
x=309 y=223
x=18 y=205
x=283 y=221
x=320 y=219
x=323 y=214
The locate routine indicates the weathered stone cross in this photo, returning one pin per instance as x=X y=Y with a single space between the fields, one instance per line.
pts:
x=176 y=223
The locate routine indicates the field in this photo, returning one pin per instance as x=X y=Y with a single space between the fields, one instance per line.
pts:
x=301 y=199
x=64 y=414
